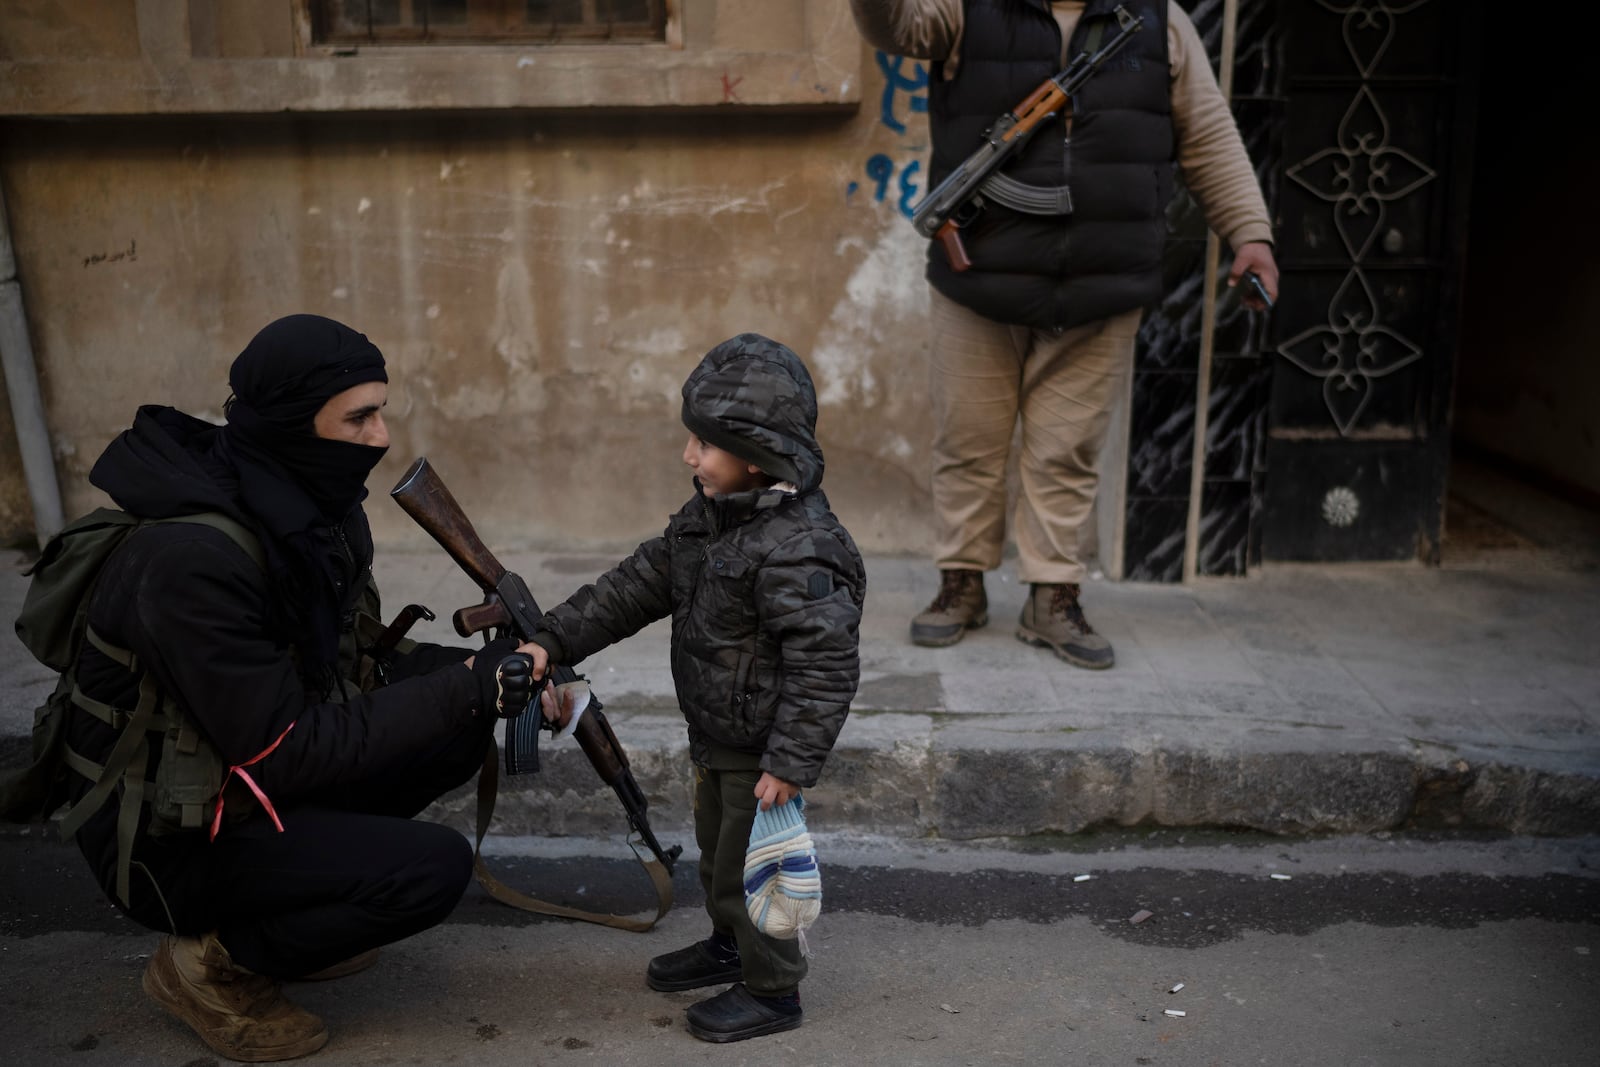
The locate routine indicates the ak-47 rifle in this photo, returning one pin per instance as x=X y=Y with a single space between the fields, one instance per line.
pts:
x=508 y=606
x=957 y=200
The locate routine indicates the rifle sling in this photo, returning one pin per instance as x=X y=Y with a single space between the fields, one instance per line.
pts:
x=488 y=786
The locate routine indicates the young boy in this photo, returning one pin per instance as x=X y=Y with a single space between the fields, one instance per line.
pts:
x=764 y=587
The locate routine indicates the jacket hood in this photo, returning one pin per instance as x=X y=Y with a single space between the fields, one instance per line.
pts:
x=163 y=467
x=753 y=397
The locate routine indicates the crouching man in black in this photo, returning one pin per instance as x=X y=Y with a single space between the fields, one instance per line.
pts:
x=274 y=837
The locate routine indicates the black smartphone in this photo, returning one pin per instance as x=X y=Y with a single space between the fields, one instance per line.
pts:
x=1260 y=290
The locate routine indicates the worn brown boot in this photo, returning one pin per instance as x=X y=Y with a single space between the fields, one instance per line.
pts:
x=241 y=1015
x=960 y=606
x=344 y=968
x=1052 y=618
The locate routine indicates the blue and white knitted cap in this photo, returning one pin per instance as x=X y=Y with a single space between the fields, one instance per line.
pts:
x=782 y=886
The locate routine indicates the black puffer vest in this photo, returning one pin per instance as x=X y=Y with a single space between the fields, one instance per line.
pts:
x=1054 y=272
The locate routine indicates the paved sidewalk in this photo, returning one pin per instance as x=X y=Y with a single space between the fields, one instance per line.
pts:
x=1300 y=699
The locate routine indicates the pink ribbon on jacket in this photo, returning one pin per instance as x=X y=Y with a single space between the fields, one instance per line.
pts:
x=239 y=769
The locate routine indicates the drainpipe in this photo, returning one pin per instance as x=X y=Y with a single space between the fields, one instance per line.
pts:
x=22 y=385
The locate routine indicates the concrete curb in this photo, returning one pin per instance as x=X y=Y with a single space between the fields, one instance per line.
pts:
x=906 y=775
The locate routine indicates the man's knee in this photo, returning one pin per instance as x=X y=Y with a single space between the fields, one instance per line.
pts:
x=436 y=874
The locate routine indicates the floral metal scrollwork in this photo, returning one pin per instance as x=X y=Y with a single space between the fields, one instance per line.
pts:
x=1360 y=175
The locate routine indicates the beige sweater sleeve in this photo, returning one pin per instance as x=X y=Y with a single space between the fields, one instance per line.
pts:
x=1211 y=153
x=917 y=29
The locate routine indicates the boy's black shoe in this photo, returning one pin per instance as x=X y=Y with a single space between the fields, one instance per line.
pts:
x=707 y=962
x=736 y=1013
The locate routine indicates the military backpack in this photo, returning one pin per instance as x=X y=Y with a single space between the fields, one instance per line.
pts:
x=53 y=625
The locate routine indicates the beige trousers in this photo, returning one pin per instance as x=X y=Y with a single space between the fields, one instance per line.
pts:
x=985 y=376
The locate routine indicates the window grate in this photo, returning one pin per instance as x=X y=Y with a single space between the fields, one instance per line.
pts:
x=488 y=21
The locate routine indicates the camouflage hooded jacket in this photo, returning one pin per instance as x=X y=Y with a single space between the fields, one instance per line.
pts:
x=764 y=587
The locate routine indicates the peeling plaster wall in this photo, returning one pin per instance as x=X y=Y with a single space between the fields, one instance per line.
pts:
x=541 y=285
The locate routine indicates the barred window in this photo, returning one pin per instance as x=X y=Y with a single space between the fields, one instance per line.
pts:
x=487 y=21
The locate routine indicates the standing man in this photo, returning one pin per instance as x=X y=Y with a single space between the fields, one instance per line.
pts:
x=264 y=822
x=1042 y=326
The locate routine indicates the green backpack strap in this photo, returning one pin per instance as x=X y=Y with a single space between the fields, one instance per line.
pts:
x=119 y=760
x=235 y=530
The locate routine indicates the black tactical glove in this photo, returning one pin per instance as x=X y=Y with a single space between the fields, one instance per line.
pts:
x=514 y=678
x=486 y=663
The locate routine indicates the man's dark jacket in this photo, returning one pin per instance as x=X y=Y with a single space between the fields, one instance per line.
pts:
x=1059 y=271
x=764 y=588
x=197 y=611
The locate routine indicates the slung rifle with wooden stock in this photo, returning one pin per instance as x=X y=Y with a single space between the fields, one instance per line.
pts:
x=957 y=201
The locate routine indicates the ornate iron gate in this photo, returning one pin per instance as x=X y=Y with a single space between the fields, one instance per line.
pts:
x=1377 y=150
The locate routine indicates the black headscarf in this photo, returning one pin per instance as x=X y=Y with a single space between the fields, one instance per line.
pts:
x=305 y=491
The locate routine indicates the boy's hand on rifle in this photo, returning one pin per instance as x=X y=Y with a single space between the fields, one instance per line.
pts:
x=772 y=790
x=556 y=704
x=541 y=659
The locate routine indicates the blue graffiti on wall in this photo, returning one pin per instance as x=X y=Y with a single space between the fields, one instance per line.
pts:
x=880 y=168
x=895 y=83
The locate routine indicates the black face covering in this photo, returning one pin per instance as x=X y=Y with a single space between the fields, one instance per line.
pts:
x=303 y=489
x=280 y=381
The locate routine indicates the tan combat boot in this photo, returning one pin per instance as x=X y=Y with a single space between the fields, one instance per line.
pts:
x=241 y=1015
x=960 y=606
x=344 y=968
x=1053 y=619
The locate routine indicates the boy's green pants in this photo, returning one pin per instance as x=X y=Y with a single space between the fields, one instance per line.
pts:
x=724 y=809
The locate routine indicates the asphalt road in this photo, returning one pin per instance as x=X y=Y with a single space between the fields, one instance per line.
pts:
x=1373 y=950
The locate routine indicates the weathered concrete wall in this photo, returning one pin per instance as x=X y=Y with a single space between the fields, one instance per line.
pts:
x=542 y=241
x=540 y=285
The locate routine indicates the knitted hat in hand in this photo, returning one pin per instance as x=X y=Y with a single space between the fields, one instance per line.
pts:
x=782 y=886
